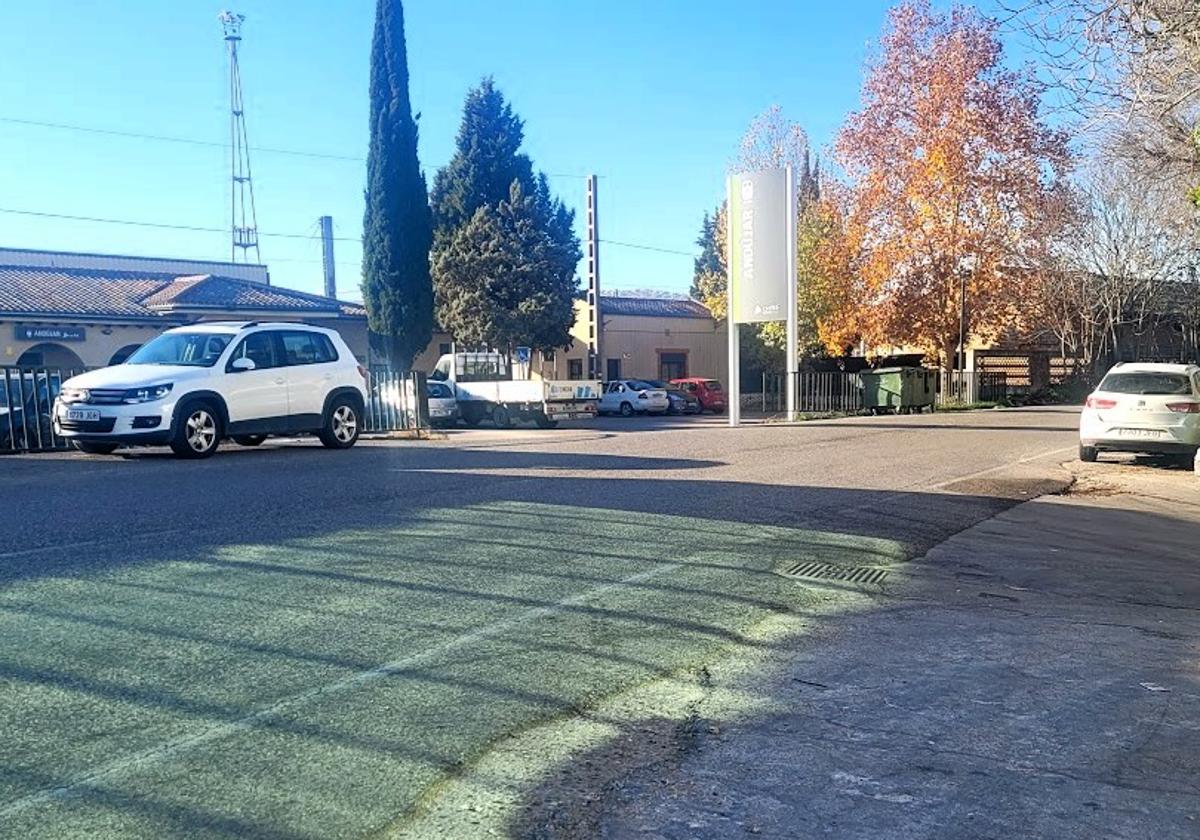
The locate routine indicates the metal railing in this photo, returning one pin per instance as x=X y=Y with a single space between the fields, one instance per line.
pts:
x=972 y=386
x=817 y=392
x=26 y=405
x=842 y=393
x=394 y=401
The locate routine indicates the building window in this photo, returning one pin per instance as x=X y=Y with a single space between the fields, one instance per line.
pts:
x=548 y=356
x=672 y=365
x=444 y=348
x=574 y=368
x=612 y=368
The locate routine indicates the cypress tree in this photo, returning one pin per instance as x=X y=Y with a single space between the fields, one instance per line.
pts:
x=397 y=228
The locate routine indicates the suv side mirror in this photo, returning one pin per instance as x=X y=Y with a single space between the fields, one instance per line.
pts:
x=242 y=364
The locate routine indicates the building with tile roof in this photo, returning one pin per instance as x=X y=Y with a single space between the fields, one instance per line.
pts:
x=644 y=337
x=69 y=310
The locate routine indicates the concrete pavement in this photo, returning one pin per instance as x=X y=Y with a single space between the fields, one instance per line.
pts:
x=287 y=642
x=1037 y=675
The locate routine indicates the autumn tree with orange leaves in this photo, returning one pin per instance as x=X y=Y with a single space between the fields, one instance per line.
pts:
x=953 y=175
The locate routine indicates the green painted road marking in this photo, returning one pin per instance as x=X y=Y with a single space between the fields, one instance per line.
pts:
x=239 y=691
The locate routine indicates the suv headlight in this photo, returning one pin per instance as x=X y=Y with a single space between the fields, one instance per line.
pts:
x=74 y=395
x=147 y=394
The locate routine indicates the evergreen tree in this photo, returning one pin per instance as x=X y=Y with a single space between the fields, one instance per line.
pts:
x=397 y=229
x=487 y=159
x=487 y=207
x=507 y=277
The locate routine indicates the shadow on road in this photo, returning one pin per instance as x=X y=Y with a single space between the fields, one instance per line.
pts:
x=413 y=550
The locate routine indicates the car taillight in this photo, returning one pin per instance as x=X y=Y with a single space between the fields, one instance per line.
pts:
x=643 y=396
x=1100 y=402
x=1185 y=407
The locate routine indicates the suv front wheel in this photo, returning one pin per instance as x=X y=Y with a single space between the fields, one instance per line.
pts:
x=341 y=427
x=197 y=431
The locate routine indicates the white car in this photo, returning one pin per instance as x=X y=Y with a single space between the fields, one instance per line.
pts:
x=443 y=407
x=633 y=396
x=191 y=387
x=1145 y=408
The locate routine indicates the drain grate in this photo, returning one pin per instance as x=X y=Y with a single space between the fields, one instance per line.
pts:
x=827 y=571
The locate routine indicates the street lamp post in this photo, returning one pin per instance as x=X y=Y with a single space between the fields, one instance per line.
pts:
x=962 y=332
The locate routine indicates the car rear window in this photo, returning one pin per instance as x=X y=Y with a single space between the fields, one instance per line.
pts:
x=1146 y=383
x=712 y=385
x=438 y=390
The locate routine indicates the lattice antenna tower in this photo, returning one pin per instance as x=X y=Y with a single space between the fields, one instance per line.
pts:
x=243 y=220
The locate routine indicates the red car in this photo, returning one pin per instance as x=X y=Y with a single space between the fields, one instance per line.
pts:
x=708 y=391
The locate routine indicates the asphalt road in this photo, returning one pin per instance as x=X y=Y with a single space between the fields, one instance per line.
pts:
x=289 y=642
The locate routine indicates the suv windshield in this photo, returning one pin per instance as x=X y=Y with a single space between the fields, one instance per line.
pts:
x=195 y=349
x=1146 y=383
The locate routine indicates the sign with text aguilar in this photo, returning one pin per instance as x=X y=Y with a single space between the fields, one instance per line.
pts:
x=759 y=214
x=31 y=332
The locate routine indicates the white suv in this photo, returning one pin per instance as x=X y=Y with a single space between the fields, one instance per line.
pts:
x=1148 y=408
x=193 y=386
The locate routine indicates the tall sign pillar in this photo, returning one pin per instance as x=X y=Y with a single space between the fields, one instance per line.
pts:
x=761 y=261
x=595 y=320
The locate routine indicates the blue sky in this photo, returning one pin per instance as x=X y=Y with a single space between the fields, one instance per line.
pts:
x=652 y=96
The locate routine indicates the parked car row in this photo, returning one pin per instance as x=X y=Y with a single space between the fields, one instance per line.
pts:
x=193 y=387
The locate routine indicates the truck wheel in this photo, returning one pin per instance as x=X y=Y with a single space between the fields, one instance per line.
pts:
x=501 y=419
x=544 y=422
x=626 y=410
x=1088 y=454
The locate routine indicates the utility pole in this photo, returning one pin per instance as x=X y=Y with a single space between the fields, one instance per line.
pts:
x=595 y=318
x=326 y=223
x=243 y=220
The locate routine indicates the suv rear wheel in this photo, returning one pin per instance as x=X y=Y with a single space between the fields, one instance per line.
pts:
x=197 y=432
x=341 y=427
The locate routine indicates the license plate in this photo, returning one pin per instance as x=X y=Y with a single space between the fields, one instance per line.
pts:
x=1141 y=433
x=83 y=415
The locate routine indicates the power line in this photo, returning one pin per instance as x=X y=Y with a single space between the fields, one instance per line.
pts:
x=190 y=141
x=160 y=225
x=642 y=247
x=201 y=229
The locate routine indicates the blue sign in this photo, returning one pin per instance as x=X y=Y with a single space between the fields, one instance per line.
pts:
x=523 y=355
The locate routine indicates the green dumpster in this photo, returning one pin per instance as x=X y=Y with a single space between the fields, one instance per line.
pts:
x=899 y=390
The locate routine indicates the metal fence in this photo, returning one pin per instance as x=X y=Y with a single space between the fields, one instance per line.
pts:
x=394 y=401
x=816 y=392
x=26 y=405
x=839 y=392
x=972 y=386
